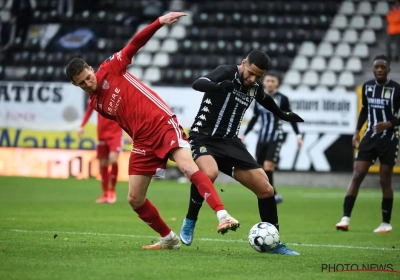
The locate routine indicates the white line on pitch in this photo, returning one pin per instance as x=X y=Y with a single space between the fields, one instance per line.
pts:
x=201 y=239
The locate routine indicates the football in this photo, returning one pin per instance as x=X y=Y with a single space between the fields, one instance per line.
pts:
x=263 y=237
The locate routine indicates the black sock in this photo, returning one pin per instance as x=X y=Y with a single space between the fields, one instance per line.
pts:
x=196 y=200
x=348 y=205
x=270 y=175
x=268 y=211
x=387 y=204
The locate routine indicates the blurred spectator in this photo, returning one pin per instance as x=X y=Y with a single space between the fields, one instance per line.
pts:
x=393 y=30
x=21 y=12
x=67 y=6
x=7 y=35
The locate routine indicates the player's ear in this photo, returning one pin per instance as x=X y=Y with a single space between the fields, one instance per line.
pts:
x=244 y=62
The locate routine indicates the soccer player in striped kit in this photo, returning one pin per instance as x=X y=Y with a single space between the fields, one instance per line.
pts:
x=380 y=108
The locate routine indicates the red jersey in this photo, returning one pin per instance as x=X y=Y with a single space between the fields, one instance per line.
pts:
x=121 y=97
x=106 y=129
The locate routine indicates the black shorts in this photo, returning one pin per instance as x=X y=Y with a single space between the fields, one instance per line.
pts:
x=385 y=148
x=268 y=152
x=229 y=153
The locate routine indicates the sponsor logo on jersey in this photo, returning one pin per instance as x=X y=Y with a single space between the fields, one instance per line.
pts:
x=138 y=151
x=105 y=85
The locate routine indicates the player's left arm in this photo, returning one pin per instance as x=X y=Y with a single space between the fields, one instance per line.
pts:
x=285 y=106
x=268 y=103
x=124 y=57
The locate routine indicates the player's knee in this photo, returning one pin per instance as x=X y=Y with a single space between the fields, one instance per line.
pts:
x=358 y=174
x=135 y=201
x=188 y=168
x=385 y=181
x=211 y=174
x=103 y=162
x=266 y=191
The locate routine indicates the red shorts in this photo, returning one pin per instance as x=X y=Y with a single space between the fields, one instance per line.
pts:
x=150 y=157
x=106 y=146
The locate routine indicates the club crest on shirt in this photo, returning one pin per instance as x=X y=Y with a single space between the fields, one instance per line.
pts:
x=105 y=85
x=388 y=93
x=203 y=149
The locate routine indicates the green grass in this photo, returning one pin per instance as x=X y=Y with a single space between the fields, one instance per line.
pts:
x=104 y=241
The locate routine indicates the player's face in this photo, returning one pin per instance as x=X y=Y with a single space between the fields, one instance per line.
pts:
x=270 y=83
x=250 y=73
x=381 y=70
x=86 y=80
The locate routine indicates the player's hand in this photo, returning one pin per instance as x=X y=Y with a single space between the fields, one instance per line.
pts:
x=292 y=117
x=299 y=143
x=242 y=138
x=381 y=126
x=356 y=139
x=80 y=132
x=226 y=86
x=171 y=18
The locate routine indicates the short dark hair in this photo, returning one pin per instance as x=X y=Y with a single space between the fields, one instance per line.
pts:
x=272 y=74
x=259 y=59
x=382 y=57
x=75 y=67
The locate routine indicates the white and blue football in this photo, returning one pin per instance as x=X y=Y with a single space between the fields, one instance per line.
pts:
x=264 y=237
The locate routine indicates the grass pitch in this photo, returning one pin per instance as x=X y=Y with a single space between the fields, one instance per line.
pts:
x=52 y=229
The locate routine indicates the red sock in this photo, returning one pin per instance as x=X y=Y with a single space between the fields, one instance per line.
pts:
x=104 y=178
x=113 y=176
x=207 y=190
x=149 y=214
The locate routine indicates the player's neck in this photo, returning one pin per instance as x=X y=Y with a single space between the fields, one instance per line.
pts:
x=270 y=93
x=382 y=83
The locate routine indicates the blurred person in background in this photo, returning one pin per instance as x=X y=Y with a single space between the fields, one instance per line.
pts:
x=270 y=137
x=393 y=31
x=109 y=145
x=21 y=13
x=7 y=35
x=66 y=7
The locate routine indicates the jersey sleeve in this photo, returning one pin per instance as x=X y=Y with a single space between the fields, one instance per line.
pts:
x=87 y=114
x=118 y=62
x=219 y=74
x=285 y=106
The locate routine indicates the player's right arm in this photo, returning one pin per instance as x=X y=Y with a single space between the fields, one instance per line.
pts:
x=217 y=80
x=361 y=118
x=86 y=117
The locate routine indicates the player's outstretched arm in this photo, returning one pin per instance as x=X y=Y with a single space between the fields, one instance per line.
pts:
x=85 y=119
x=140 y=39
x=268 y=103
x=216 y=80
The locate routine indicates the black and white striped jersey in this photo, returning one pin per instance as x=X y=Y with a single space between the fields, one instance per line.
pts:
x=271 y=126
x=220 y=114
x=380 y=103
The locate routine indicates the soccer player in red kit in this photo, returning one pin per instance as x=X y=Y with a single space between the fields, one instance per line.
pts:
x=109 y=145
x=118 y=95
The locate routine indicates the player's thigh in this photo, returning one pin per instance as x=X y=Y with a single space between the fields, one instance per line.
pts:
x=138 y=185
x=255 y=180
x=184 y=161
